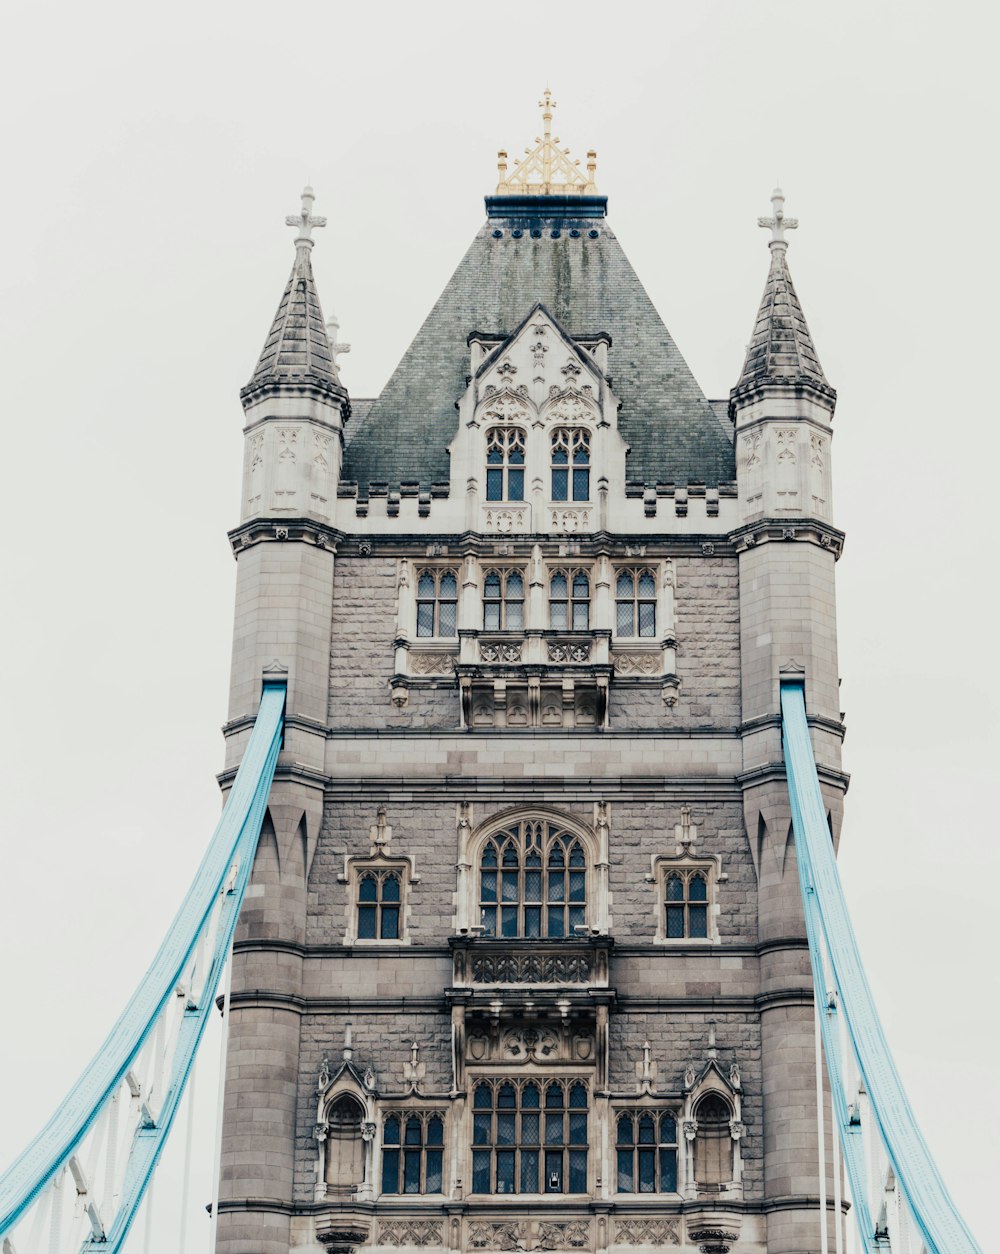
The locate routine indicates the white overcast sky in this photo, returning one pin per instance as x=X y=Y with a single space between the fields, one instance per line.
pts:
x=150 y=156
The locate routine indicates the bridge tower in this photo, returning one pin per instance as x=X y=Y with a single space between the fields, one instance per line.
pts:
x=523 y=964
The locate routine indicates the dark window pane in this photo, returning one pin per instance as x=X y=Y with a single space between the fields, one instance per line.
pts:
x=390 y=888
x=647 y=1171
x=449 y=619
x=492 y=584
x=560 y=484
x=529 y=1129
x=505 y=1171
x=481 y=1125
x=434 y=1171
x=668 y=1130
x=554 y=1097
x=390 y=1171
x=675 y=888
x=425 y=585
x=647 y=1135
x=505 y=1129
x=515 y=586
x=578 y=1128
x=530 y=1097
x=699 y=921
x=647 y=618
x=553 y=1129
x=625 y=1171
x=425 y=618
x=515 y=485
x=557 y=886
x=553 y=1172
x=413 y=1132
x=449 y=586
x=481 y=1171
x=556 y=856
x=494 y=456
x=576 y=919
x=494 y=485
x=559 y=587
x=390 y=923
x=581 y=454
x=508 y=885
x=533 y=886
x=577 y=882
x=668 y=1171
x=581 y=616
x=578 y=1171
x=390 y=1133
x=435 y=1132
x=510 y=857
x=624 y=587
x=490 y=855
x=491 y=616
x=675 y=922
x=578 y=1097
x=698 y=889
x=506 y=1097
x=488 y=919
x=488 y=886
x=368 y=889
x=533 y=922
x=508 y=921
x=560 y=455
x=625 y=1132
x=581 y=485
x=556 y=922
x=558 y=615
x=411 y=1171
x=623 y=618
x=516 y=455
x=366 y=922
x=529 y=1171
x=576 y=857
x=483 y=1097
x=647 y=584
x=515 y=615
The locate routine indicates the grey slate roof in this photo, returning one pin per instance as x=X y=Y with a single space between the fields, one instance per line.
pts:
x=297 y=348
x=781 y=348
x=589 y=286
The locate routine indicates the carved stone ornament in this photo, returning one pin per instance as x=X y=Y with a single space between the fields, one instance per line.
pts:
x=510 y=1236
x=647 y=1232
x=638 y=663
x=563 y=1236
x=530 y=1045
x=531 y=969
x=432 y=663
x=541 y=1235
x=713 y=1240
x=417 y=1232
x=570 y=520
x=560 y=651
x=505 y=519
x=500 y=652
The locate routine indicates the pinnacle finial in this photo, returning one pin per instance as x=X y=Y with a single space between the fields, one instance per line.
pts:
x=547 y=104
x=778 y=224
x=305 y=220
x=546 y=169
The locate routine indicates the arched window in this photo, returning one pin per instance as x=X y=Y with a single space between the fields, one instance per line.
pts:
x=379 y=900
x=437 y=602
x=686 y=904
x=345 y=1149
x=713 y=1146
x=646 y=1145
x=635 y=603
x=505 y=464
x=569 y=600
x=570 y=464
x=529 y=1137
x=503 y=600
x=412 y=1152
x=533 y=881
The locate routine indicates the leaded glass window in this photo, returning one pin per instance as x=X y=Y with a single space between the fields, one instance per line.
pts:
x=379 y=903
x=505 y=464
x=529 y=1137
x=503 y=600
x=635 y=603
x=532 y=881
x=570 y=465
x=569 y=600
x=437 y=602
x=646 y=1149
x=686 y=904
x=412 y=1152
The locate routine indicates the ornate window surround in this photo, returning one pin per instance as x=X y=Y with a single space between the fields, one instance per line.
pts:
x=711 y=1080
x=379 y=860
x=686 y=863
x=504 y=601
x=572 y=599
x=436 y=572
x=637 y=600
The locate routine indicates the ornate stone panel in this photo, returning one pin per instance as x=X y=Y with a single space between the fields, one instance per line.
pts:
x=647 y=1232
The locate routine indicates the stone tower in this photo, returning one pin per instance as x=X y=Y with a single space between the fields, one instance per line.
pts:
x=522 y=965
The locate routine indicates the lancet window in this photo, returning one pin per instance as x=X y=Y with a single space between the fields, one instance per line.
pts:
x=569 y=600
x=685 y=904
x=503 y=600
x=646 y=1148
x=532 y=881
x=529 y=1136
x=437 y=602
x=412 y=1152
x=379 y=902
x=635 y=603
x=570 y=464
x=505 y=464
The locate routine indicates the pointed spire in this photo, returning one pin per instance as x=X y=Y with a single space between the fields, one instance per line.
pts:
x=297 y=349
x=781 y=349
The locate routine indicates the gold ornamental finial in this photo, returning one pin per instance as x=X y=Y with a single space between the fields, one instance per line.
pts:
x=547 y=169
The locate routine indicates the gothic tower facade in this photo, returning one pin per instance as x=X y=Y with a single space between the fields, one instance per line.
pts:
x=522 y=965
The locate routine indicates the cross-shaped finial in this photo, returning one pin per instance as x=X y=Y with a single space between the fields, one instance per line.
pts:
x=778 y=224
x=305 y=220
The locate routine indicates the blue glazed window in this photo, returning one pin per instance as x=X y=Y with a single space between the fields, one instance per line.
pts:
x=505 y=464
x=646 y=1152
x=686 y=904
x=533 y=882
x=569 y=600
x=503 y=600
x=437 y=603
x=412 y=1153
x=570 y=465
x=635 y=603
x=508 y=1119
x=379 y=904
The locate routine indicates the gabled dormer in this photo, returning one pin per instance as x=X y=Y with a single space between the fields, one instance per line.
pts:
x=538 y=441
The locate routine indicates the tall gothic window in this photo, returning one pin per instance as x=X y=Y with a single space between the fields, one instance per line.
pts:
x=635 y=603
x=686 y=904
x=570 y=465
x=529 y=1137
x=569 y=600
x=412 y=1152
x=505 y=464
x=437 y=602
x=532 y=881
x=379 y=899
x=713 y=1145
x=503 y=600
x=646 y=1145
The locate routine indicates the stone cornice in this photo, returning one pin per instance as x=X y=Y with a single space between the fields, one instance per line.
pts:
x=281 y=530
x=769 y=530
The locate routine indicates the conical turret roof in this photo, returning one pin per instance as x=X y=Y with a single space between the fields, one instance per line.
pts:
x=297 y=349
x=781 y=350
